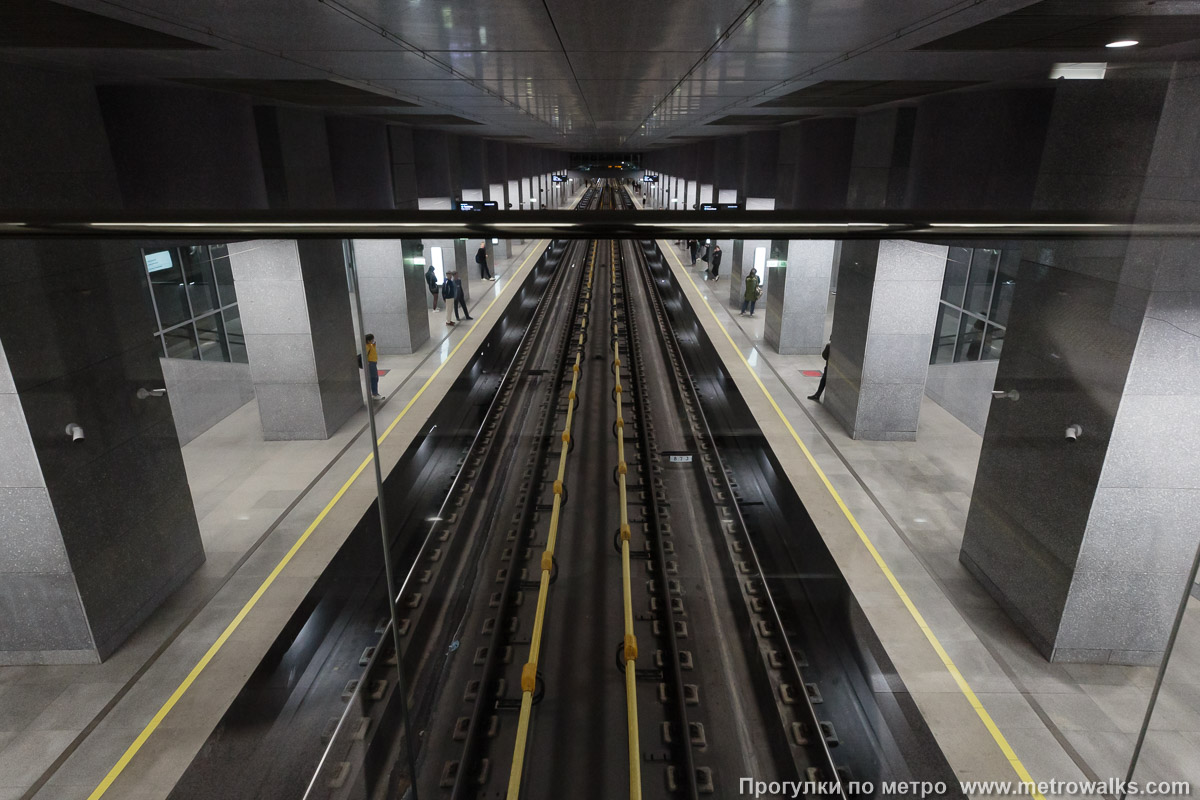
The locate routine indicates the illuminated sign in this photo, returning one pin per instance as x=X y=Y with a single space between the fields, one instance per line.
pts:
x=720 y=207
x=156 y=262
x=477 y=205
x=557 y=178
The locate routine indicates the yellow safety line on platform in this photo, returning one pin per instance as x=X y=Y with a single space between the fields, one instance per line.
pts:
x=216 y=646
x=630 y=644
x=529 y=670
x=948 y=662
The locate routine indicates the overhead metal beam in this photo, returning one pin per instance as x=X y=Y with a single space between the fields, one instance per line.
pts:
x=582 y=225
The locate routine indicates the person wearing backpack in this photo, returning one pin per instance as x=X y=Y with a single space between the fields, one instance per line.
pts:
x=431 y=281
x=448 y=298
x=714 y=263
x=821 y=386
x=753 y=292
x=481 y=260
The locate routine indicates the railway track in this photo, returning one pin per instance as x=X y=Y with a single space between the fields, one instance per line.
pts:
x=584 y=609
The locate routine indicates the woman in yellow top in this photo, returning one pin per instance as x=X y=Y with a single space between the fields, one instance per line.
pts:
x=373 y=366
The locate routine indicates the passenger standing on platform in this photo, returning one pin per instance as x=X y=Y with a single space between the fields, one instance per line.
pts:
x=459 y=301
x=821 y=386
x=448 y=297
x=693 y=248
x=431 y=280
x=481 y=260
x=714 y=262
x=751 y=295
x=373 y=366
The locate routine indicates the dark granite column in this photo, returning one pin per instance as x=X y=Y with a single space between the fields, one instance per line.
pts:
x=883 y=324
x=95 y=533
x=395 y=298
x=295 y=305
x=797 y=297
x=1086 y=544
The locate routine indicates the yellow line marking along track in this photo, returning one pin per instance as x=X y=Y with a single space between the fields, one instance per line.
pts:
x=948 y=662
x=216 y=646
x=529 y=670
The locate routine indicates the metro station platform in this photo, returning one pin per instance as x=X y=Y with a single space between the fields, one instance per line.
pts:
x=271 y=514
x=1066 y=722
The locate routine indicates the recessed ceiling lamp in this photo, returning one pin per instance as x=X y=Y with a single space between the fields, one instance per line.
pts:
x=1122 y=43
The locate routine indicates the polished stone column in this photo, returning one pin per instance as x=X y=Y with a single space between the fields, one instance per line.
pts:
x=883 y=325
x=1086 y=544
x=295 y=305
x=395 y=297
x=95 y=532
x=797 y=297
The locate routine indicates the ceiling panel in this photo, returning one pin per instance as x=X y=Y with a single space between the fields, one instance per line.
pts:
x=860 y=94
x=44 y=24
x=636 y=26
x=1071 y=24
x=492 y=25
x=303 y=92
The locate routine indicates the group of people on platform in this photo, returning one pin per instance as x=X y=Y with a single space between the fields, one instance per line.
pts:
x=710 y=252
x=451 y=291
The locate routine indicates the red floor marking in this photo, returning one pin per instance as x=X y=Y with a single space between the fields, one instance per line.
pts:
x=383 y=372
x=808 y=373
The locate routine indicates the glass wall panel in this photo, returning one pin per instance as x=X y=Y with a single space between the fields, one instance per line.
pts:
x=970 y=338
x=945 y=335
x=167 y=287
x=193 y=294
x=181 y=342
x=211 y=333
x=982 y=278
x=224 y=273
x=197 y=270
x=237 y=339
x=958 y=261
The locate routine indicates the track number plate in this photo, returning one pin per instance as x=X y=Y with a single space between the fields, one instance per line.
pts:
x=680 y=458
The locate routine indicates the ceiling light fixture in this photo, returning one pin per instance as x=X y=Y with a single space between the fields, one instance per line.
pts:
x=1122 y=43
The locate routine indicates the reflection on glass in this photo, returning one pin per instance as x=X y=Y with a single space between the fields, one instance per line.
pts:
x=237 y=339
x=970 y=339
x=197 y=270
x=1006 y=284
x=984 y=264
x=166 y=284
x=181 y=342
x=211 y=335
x=993 y=342
x=947 y=331
x=954 y=282
x=224 y=273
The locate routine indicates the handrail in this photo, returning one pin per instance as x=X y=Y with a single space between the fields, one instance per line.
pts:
x=630 y=643
x=529 y=670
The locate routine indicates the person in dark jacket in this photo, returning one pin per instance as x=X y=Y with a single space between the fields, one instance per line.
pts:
x=821 y=386
x=694 y=249
x=459 y=301
x=751 y=295
x=714 y=263
x=432 y=281
x=448 y=297
x=481 y=260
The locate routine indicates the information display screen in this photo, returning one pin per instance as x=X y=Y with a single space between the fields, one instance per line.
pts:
x=720 y=206
x=477 y=205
